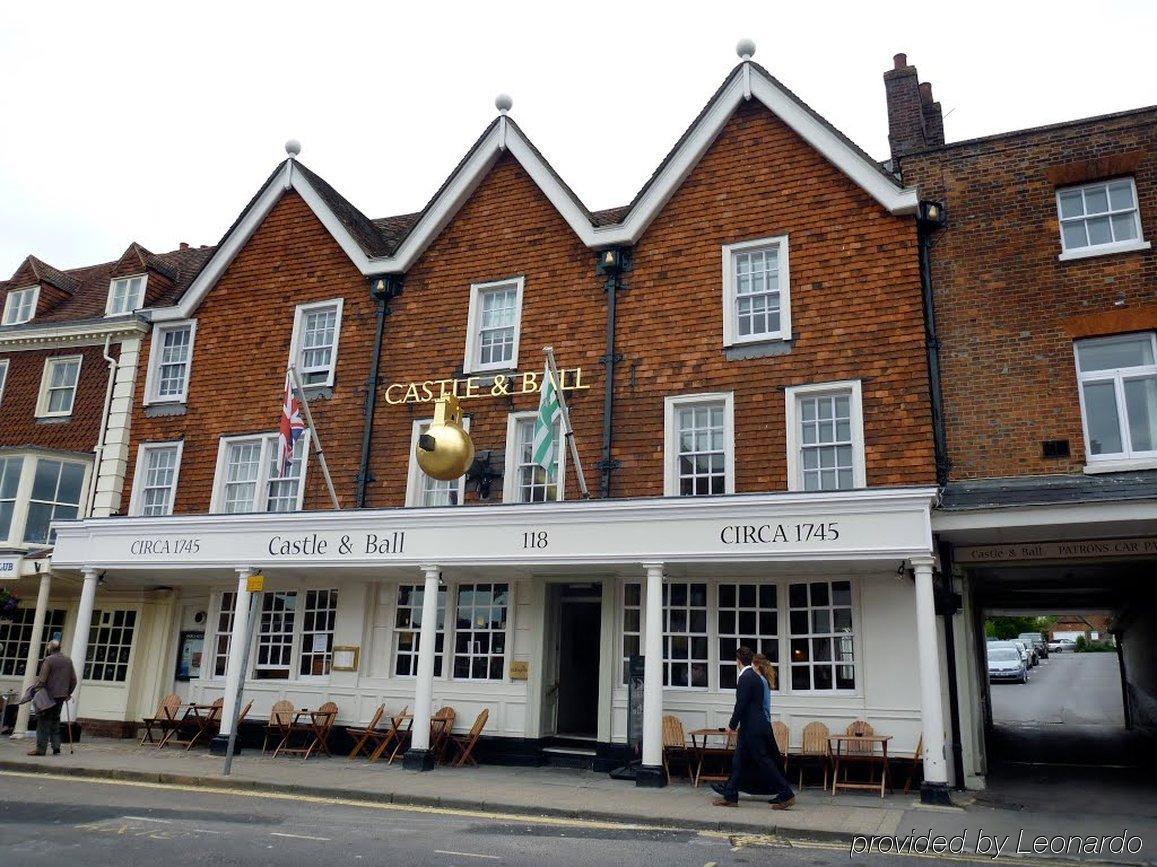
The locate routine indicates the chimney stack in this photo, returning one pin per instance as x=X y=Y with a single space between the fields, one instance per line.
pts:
x=915 y=121
x=184 y=246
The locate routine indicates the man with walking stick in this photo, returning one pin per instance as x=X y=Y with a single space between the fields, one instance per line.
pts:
x=54 y=683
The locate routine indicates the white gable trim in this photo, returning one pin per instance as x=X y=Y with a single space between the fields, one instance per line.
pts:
x=505 y=136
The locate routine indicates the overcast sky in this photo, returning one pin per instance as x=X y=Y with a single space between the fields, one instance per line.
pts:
x=157 y=121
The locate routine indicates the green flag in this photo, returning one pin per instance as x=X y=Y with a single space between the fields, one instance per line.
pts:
x=545 y=447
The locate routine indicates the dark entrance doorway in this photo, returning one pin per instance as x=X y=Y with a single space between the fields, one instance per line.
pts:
x=579 y=629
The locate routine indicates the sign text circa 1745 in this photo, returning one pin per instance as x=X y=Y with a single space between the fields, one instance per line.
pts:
x=496 y=385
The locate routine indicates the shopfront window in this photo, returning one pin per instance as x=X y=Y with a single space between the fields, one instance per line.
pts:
x=747 y=616
x=685 y=639
x=110 y=644
x=224 y=633
x=407 y=630
x=632 y=625
x=480 y=632
x=275 y=636
x=821 y=632
x=317 y=622
x=16 y=636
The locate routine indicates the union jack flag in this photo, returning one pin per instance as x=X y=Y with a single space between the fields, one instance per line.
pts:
x=290 y=428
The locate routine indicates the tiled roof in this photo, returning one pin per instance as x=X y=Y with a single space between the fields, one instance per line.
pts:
x=90 y=295
x=1048 y=490
x=368 y=236
x=47 y=274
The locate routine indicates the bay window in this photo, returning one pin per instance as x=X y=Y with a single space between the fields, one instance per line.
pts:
x=55 y=496
x=1118 y=396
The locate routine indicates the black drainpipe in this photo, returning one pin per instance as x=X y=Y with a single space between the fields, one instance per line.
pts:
x=382 y=289
x=611 y=263
x=951 y=604
x=925 y=227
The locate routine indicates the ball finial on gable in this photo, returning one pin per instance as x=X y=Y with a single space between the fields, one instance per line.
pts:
x=293 y=148
x=745 y=48
x=503 y=103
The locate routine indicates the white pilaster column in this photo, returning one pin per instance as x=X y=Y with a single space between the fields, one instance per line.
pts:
x=34 y=650
x=651 y=774
x=417 y=757
x=80 y=635
x=935 y=786
x=237 y=638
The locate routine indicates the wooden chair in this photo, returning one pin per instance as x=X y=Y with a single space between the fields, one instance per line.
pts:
x=440 y=725
x=280 y=721
x=324 y=728
x=814 y=749
x=395 y=733
x=209 y=725
x=917 y=763
x=675 y=747
x=464 y=747
x=856 y=752
x=164 y=720
x=363 y=735
x=782 y=737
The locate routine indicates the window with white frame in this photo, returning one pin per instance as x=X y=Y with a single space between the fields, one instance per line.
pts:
x=110 y=644
x=169 y=363
x=155 y=482
x=685 y=648
x=1118 y=381
x=20 y=305
x=747 y=616
x=493 y=326
x=700 y=445
x=524 y=480
x=408 y=626
x=424 y=490
x=250 y=480
x=316 y=328
x=1099 y=218
x=16 y=638
x=632 y=625
x=10 y=472
x=126 y=294
x=825 y=437
x=756 y=292
x=3 y=377
x=224 y=636
x=56 y=494
x=480 y=632
x=275 y=635
x=317 y=623
x=822 y=637
x=58 y=387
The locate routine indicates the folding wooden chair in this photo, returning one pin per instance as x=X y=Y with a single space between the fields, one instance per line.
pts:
x=323 y=728
x=208 y=725
x=782 y=739
x=392 y=734
x=465 y=746
x=917 y=763
x=675 y=746
x=857 y=752
x=815 y=749
x=164 y=720
x=363 y=734
x=441 y=724
x=280 y=721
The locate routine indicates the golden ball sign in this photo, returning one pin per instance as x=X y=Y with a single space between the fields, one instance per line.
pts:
x=445 y=451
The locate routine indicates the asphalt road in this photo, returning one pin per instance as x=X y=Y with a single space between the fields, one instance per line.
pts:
x=54 y=820
x=1069 y=688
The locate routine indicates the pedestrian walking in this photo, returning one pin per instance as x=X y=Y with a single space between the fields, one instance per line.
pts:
x=766 y=671
x=753 y=766
x=54 y=685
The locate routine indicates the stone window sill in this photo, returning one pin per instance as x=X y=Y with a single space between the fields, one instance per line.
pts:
x=758 y=349
x=1122 y=466
x=1103 y=250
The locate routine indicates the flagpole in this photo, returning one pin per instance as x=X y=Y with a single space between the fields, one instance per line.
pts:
x=569 y=431
x=317 y=450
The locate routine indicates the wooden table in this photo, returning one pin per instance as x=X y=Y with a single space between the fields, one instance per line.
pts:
x=700 y=747
x=191 y=717
x=871 y=758
x=315 y=725
x=402 y=735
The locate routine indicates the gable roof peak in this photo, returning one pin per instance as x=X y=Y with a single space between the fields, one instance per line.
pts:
x=41 y=272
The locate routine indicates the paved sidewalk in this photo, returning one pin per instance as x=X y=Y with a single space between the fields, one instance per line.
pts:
x=565 y=793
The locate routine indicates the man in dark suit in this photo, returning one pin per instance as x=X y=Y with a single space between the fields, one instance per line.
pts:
x=57 y=678
x=753 y=768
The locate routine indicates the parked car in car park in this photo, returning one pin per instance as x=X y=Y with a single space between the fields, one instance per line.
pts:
x=1060 y=645
x=1006 y=663
x=1038 y=641
x=1018 y=646
x=1030 y=651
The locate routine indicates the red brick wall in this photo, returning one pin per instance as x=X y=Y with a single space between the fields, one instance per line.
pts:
x=244 y=328
x=18 y=423
x=1006 y=307
x=855 y=307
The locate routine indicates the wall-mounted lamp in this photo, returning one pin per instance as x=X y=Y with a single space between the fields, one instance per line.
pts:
x=932 y=214
x=389 y=286
x=614 y=260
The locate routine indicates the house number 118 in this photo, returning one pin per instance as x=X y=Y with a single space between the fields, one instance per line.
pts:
x=535 y=539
